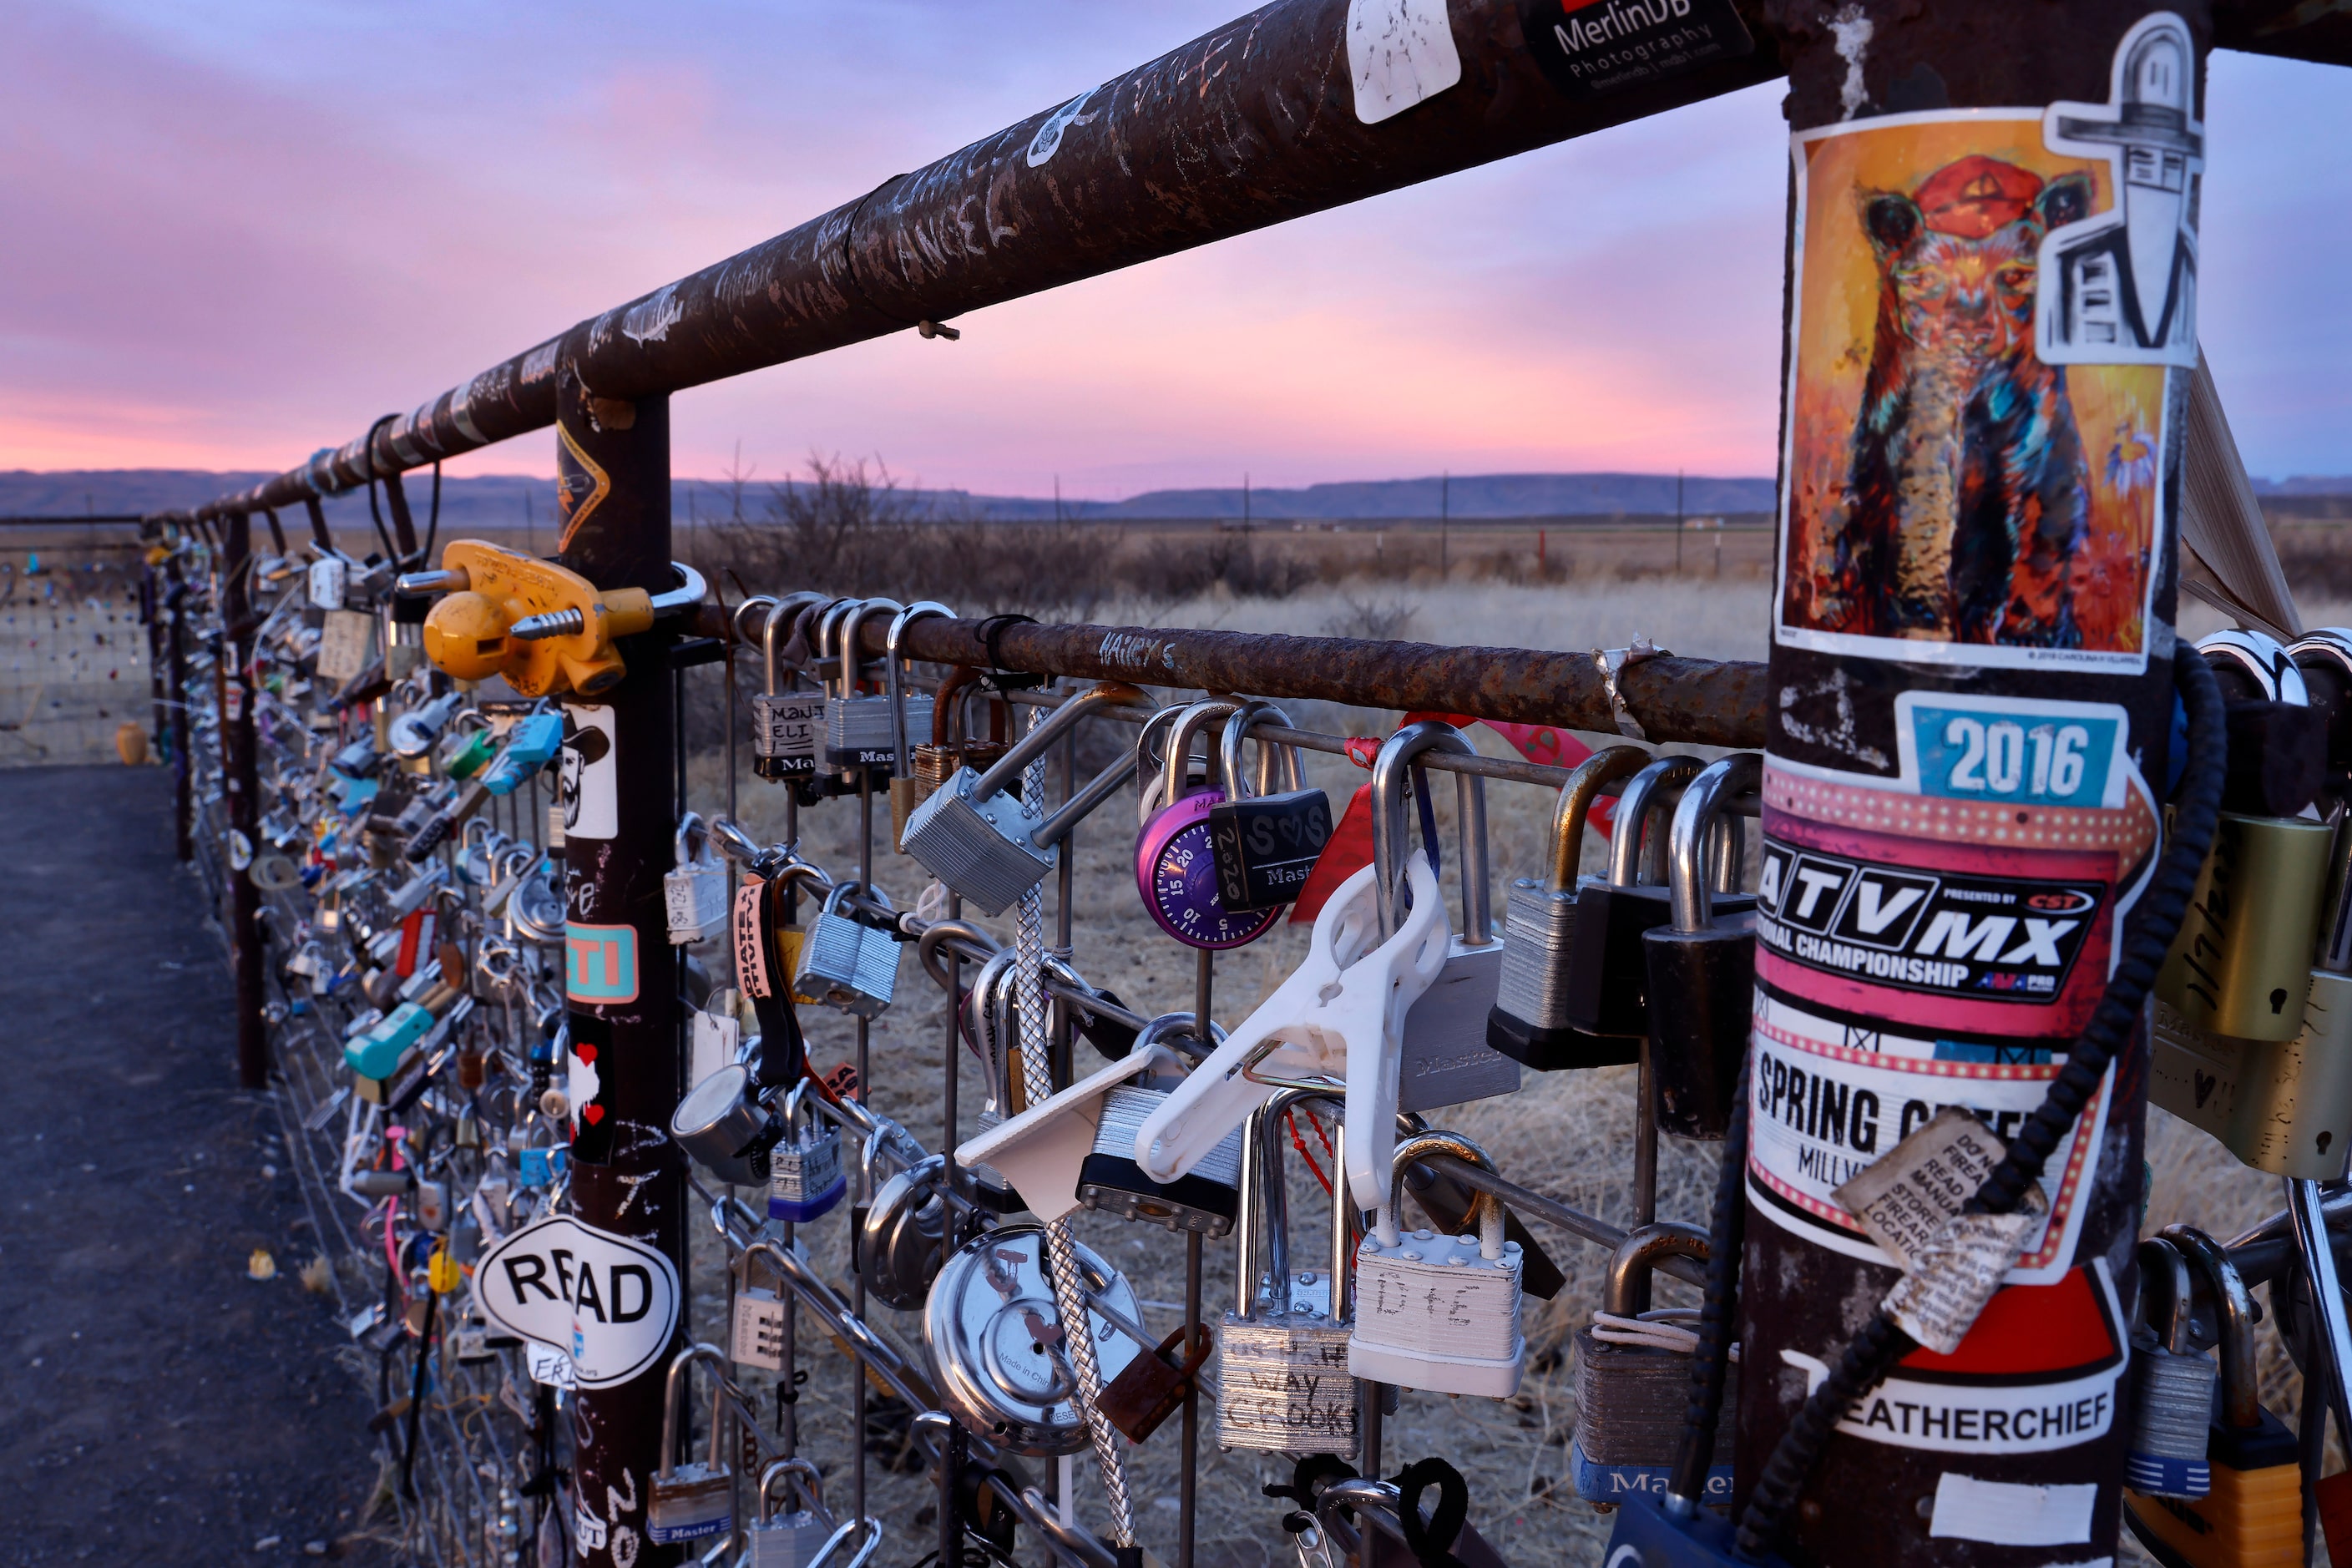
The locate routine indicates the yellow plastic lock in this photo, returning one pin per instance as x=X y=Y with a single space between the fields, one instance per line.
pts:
x=443 y=1274
x=467 y=634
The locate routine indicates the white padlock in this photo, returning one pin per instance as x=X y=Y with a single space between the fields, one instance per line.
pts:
x=1339 y=1017
x=696 y=891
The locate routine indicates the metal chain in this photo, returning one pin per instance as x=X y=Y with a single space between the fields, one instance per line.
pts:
x=1061 y=1248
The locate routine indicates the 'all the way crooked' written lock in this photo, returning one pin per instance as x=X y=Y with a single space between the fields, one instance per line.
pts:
x=1283 y=1385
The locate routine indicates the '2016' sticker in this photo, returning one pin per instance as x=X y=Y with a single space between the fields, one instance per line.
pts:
x=2012 y=752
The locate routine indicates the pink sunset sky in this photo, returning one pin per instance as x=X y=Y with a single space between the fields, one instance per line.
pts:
x=238 y=232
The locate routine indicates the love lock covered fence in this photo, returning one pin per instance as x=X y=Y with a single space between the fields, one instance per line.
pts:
x=551 y=1012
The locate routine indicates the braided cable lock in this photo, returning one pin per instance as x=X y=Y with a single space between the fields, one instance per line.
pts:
x=1873 y=1352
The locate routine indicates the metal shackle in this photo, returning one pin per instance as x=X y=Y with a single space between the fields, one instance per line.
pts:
x=2262 y=659
x=920 y=609
x=1574 y=808
x=682 y=847
x=1630 y=835
x=1270 y=757
x=937 y=934
x=829 y=630
x=811 y=1487
x=1390 y=780
x=1175 y=764
x=1627 y=1292
x=782 y=613
x=2234 y=1319
x=1107 y=695
x=1484 y=1205
x=2159 y=1258
x=1696 y=816
x=674 y=1404
x=1263 y=1194
x=846 y=635
x=1151 y=755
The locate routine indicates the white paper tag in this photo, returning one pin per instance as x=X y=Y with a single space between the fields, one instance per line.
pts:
x=1954 y=1275
x=1904 y=1197
x=548 y=1365
x=1399 y=52
x=716 y=1037
x=2004 y=1513
x=343 y=645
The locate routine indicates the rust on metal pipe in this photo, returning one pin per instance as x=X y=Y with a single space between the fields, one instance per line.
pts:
x=1687 y=701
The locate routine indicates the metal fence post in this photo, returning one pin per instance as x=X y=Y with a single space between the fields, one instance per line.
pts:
x=1980 y=496
x=613 y=459
x=242 y=789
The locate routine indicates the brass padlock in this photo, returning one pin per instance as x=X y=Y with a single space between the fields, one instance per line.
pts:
x=2241 y=963
x=1153 y=1388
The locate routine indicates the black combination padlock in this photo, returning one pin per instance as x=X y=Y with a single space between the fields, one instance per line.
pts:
x=1702 y=965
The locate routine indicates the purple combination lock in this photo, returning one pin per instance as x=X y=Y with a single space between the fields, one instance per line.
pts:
x=1175 y=870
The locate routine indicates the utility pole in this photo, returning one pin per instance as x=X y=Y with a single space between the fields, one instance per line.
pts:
x=1444 y=520
x=613 y=489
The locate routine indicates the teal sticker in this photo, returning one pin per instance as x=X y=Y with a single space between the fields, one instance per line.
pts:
x=599 y=963
x=2012 y=752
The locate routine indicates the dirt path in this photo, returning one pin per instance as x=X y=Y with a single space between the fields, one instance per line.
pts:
x=156 y=1406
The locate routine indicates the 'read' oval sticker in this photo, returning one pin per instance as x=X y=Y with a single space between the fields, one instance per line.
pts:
x=608 y=1303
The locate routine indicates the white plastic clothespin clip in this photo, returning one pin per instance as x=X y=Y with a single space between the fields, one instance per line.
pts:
x=1043 y=1151
x=1339 y=1015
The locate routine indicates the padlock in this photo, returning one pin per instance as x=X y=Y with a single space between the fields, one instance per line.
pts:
x=860 y=731
x=547 y=630
x=845 y=963
x=1445 y=1059
x=805 y=1178
x=2253 y=1513
x=1264 y=844
x=994 y=1339
x=1283 y=1385
x=530 y=745
x=2281 y=1106
x=951 y=745
x=896 y=1241
x=721 y=1123
x=1204 y=1199
x=1439 y=1312
x=2171 y=1382
x=908 y=713
x=793 y=1539
x=1702 y=970
x=1529 y=1022
x=464 y=754
x=1633 y=1380
x=756 y=1331
x=1153 y=1388
x=979 y=841
x=786 y=725
x=1175 y=871
x=411 y=734
x=696 y=891
x=1608 y=972
x=697 y=1500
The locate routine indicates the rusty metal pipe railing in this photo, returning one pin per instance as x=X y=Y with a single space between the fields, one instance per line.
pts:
x=1249 y=125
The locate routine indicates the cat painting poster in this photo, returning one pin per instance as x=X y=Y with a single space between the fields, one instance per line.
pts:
x=1949 y=498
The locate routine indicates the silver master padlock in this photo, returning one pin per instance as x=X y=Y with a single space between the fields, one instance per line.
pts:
x=785 y=724
x=980 y=840
x=1634 y=1381
x=859 y=727
x=1445 y=1058
x=1439 y=1312
x=1529 y=1023
x=805 y=1178
x=1205 y=1199
x=790 y=1539
x=691 y=1501
x=2172 y=1384
x=845 y=963
x=758 y=1328
x=1284 y=1386
x=696 y=889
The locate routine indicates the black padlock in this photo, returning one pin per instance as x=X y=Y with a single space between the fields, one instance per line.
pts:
x=1265 y=845
x=1702 y=968
x=1608 y=978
